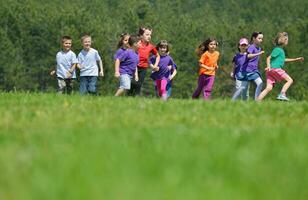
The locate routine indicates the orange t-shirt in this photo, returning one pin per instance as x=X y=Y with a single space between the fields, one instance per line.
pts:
x=210 y=60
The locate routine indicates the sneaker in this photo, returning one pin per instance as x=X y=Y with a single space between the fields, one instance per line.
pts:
x=282 y=97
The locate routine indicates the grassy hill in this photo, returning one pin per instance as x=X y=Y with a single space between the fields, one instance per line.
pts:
x=73 y=147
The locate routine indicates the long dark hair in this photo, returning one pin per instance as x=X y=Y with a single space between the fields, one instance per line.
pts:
x=122 y=37
x=204 y=46
x=255 y=35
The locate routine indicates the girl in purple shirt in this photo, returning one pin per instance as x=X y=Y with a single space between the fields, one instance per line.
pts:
x=251 y=71
x=240 y=61
x=162 y=74
x=126 y=65
x=122 y=45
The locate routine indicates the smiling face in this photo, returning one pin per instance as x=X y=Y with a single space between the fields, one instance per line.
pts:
x=66 y=44
x=163 y=50
x=243 y=48
x=212 y=46
x=86 y=43
x=258 y=40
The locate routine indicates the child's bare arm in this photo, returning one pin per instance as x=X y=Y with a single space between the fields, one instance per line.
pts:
x=294 y=59
x=71 y=70
x=173 y=74
x=100 y=63
x=252 y=55
x=157 y=60
x=206 y=67
x=268 y=63
x=136 y=75
x=117 y=68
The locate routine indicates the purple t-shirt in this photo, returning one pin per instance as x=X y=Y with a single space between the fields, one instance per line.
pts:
x=129 y=60
x=118 y=53
x=253 y=63
x=163 y=64
x=240 y=61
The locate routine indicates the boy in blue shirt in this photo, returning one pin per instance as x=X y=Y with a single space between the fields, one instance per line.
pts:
x=66 y=64
x=89 y=61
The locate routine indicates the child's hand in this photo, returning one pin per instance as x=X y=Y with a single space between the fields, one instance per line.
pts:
x=169 y=67
x=68 y=74
x=156 y=69
x=268 y=68
x=262 y=52
x=52 y=72
x=79 y=66
x=232 y=75
x=117 y=74
x=101 y=73
x=300 y=59
x=136 y=78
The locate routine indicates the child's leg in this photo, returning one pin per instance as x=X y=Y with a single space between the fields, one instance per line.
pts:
x=245 y=92
x=201 y=82
x=209 y=82
x=163 y=88
x=169 y=88
x=241 y=86
x=287 y=84
x=83 y=85
x=269 y=87
x=92 y=84
x=259 y=83
x=125 y=84
x=69 y=85
x=61 y=85
x=158 y=85
x=141 y=75
x=119 y=92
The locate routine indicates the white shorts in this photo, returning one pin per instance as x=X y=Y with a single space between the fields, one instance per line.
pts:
x=125 y=81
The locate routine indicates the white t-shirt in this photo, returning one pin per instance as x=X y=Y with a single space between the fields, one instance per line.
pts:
x=65 y=60
x=88 y=62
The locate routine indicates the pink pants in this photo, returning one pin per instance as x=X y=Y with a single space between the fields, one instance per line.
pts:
x=162 y=88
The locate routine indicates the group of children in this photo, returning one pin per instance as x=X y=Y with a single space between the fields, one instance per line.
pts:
x=87 y=62
x=246 y=67
x=136 y=53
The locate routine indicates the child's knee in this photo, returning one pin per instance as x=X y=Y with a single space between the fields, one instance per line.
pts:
x=290 y=80
x=269 y=88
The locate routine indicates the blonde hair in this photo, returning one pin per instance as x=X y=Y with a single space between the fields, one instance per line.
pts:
x=280 y=38
x=84 y=37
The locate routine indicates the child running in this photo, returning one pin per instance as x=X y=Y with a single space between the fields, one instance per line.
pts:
x=126 y=65
x=240 y=61
x=122 y=45
x=251 y=71
x=145 y=50
x=162 y=74
x=208 y=66
x=275 y=63
x=89 y=60
x=66 y=64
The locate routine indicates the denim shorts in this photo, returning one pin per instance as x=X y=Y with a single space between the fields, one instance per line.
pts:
x=125 y=81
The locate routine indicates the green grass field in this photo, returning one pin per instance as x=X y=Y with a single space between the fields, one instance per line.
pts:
x=73 y=147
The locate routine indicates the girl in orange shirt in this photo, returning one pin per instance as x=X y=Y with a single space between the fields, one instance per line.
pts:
x=208 y=66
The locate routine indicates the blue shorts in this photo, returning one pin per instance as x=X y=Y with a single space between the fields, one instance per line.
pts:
x=248 y=76
x=125 y=81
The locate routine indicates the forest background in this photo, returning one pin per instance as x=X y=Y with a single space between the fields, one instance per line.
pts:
x=30 y=32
